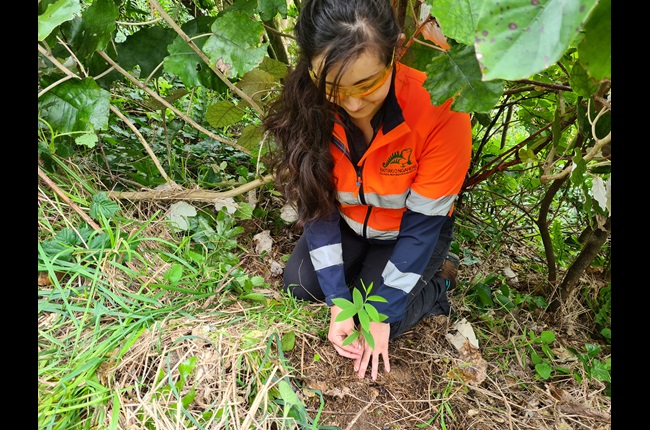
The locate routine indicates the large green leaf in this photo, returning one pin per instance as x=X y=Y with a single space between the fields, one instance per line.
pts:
x=595 y=49
x=257 y=84
x=96 y=28
x=186 y=64
x=146 y=48
x=457 y=18
x=518 y=38
x=55 y=14
x=75 y=105
x=224 y=114
x=250 y=138
x=456 y=74
x=269 y=8
x=275 y=68
x=234 y=45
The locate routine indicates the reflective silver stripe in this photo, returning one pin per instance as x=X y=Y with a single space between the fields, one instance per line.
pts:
x=357 y=227
x=347 y=198
x=427 y=206
x=396 y=279
x=390 y=201
x=381 y=234
x=326 y=256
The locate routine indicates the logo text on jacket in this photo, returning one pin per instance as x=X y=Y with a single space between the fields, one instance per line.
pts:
x=398 y=163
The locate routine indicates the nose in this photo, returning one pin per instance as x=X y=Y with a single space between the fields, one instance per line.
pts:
x=351 y=103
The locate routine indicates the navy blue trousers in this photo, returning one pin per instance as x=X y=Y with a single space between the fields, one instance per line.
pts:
x=365 y=260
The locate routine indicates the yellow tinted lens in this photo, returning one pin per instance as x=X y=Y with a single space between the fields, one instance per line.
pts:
x=368 y=89
x=360 y=90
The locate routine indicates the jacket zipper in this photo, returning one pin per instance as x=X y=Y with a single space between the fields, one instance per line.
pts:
x=359 y=172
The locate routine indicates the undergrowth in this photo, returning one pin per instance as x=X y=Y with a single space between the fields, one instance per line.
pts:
x=164 y=320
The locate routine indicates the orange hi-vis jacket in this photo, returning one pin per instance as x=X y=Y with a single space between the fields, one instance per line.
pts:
x=402 y=190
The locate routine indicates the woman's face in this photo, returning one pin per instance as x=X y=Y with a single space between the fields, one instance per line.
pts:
x=363 y=86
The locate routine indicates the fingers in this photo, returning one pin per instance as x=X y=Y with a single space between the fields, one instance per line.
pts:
x=386 y=364
x=381 y=334
x=339 y=331
x=349 y=351
x=353 y=350
x=371 y=357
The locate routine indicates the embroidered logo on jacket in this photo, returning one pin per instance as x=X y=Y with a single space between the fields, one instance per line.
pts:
x=398 y=163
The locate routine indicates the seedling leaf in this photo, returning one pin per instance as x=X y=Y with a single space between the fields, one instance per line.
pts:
x=368 y=337
x=357 y=298
x=364 y=319
x=351 y=338
x=342 y=303
x=345 y=314
x=372 y=313
x=375 y=298
x=543 y=370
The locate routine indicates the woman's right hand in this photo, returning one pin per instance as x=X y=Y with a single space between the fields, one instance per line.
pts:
x=339 y=331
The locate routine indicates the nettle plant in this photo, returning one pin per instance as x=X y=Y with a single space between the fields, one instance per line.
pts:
x=363 y=310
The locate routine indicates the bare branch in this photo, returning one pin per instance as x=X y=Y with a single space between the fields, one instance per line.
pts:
x=194 y=195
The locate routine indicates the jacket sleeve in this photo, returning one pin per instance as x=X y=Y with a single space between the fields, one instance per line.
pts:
x=441 y=172
x=415 y=244
x=326 y=253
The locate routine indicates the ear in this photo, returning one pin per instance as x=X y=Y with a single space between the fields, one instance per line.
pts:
x=401 y=39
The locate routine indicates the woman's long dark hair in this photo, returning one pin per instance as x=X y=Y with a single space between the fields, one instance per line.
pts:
x=301 y=119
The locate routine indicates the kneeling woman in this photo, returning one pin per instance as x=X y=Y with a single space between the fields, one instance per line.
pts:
x=374 y=170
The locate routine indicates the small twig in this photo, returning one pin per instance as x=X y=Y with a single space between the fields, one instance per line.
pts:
x=428 y=45
x=373 y=396
x=58 y=65
x=505 y=401
x=145 y=144
x=262 y=394
x=592 y=152
x=65 y=198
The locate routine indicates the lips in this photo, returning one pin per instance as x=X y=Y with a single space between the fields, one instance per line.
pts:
x=351 y=112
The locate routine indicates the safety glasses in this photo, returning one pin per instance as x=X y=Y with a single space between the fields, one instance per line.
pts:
x=362 y=89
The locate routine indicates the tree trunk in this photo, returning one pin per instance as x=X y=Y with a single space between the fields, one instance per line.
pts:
x=276 y=50
x=542 y=225
x=592 y=246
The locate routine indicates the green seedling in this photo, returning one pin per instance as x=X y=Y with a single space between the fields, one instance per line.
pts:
x=365 y=312
x=543 y=362
x=594 y=368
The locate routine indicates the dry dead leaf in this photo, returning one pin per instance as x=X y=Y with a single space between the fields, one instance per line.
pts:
x=337 y=392
x=44 y=279
x=288 y=213
x=473 y=367
x=433 y=32
x=263 y=242
x=464 y=331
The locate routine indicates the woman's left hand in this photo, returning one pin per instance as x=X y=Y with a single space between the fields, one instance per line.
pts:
x=380 y=333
